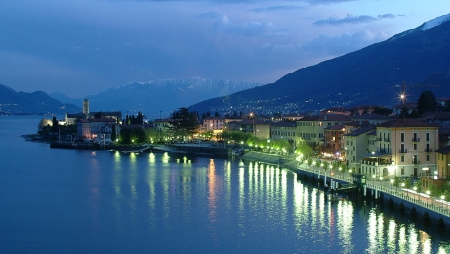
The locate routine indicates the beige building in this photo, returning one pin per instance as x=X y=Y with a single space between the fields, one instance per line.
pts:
x=283 y=130
x=356 y=147
x=412 y=144
x=214 y=124
x=310 y=129
x=258 y=128
x=97 y=128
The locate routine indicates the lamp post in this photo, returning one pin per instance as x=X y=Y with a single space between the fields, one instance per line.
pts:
x=442 y=198
x=340 y=172
x=403 y=186
x=373 y=180
x=428 y=198
x=392 y=184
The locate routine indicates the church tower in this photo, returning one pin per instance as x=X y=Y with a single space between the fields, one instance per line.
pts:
x=86 y=107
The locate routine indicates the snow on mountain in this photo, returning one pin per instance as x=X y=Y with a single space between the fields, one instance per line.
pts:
x=434 y=22
x=425 y=26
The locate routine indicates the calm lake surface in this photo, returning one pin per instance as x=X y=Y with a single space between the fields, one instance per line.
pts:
x=74 y=201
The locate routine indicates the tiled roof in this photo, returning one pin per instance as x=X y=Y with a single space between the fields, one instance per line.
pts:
x=327 y=117
x=335 y=127
x=445 y=149
x=361 y=131
x=358 y=123
x=438 y=116
x=372 y=116
x=406 y=122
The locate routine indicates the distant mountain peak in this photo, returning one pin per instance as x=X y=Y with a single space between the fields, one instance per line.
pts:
x=434 y=22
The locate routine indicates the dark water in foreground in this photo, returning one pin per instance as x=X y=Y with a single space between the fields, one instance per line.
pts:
x=68 y=201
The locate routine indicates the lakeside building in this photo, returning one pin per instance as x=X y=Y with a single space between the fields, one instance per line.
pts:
x=356 y=145
x=97 y=128
x=334 y=141
x=310 y=129
x=283 y=130
x=399 y=147
x=214 y=124
x=258 y=128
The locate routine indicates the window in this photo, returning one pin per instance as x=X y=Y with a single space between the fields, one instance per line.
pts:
x=428 y=136
x=428 y=157
x=415 y=146
x=402 y=137
x=402 y=158
x=402 y=171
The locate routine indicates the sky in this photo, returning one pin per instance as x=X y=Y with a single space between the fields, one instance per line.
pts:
x=82 y=47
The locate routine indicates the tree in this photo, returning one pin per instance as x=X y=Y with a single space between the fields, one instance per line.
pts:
x=427 y=102
x=185 y=122
x=407 y=184
x=98 y=115
x=434 y=191
x=55 y=125
x=382 y=111
x=414 y=114
x=418 y=186
x=403 y=112
x=304 y=149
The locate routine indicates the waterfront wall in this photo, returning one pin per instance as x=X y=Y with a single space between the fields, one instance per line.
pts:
x=418 y=207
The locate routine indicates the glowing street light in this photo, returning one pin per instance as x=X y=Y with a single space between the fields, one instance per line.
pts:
x=428 y=198
x=442 y=198
x=392 y=184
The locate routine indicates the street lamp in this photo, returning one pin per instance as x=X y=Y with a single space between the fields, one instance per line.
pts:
x=442 y=198
x=392 y=184
x=428 y=198
x=373 y=179
x=403 y=186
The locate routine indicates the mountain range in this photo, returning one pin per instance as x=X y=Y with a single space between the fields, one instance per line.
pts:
x=417 y=58
x=12 y=102
x=158 y=97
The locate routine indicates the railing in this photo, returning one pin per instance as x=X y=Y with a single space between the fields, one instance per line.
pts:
x=416 y=162
x=415 y=139
x=387 y=140
x=428 y=150
x=403 y=151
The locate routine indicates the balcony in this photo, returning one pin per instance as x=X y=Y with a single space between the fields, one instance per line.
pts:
x=415 y=162
x=387 y=140
x=428 y=150
x=415 y=139
x=402 y=151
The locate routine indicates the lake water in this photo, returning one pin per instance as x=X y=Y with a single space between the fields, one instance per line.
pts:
x=74 y=201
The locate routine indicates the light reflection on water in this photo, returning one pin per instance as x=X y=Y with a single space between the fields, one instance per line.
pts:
x=167 y=203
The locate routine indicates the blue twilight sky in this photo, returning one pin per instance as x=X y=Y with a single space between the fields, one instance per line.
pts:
x=82 y=47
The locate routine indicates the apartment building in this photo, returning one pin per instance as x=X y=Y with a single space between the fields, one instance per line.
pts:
x=310 y=129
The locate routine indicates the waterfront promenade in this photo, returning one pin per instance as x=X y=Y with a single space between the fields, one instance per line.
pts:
x=420 y=200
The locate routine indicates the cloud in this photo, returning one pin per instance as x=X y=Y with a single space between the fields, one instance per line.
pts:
x=350 y=19
x=276 y=8
x=338 y=45
x=324 y=46
x=387 y=16
x=247 y=29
